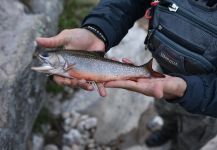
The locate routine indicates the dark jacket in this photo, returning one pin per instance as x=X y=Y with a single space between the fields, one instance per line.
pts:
x=115 y=17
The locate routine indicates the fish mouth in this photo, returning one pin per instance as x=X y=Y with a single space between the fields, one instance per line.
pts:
x=44 y=69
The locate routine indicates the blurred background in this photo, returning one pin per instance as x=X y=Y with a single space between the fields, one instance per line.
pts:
x=37 y=114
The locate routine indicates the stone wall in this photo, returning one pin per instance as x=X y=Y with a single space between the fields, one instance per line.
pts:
x=22 y=90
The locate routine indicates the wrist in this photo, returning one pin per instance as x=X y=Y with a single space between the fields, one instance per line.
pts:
x=179 y=87
x=100 y=37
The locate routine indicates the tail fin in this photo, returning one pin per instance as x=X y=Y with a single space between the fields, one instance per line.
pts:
x=152 y=72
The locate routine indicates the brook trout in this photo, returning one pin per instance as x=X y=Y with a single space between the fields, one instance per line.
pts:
x=91 y=66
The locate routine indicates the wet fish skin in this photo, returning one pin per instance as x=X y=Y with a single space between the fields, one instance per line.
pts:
x=92 y=66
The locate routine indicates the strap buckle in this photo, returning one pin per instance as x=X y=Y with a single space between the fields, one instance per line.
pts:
x=148 y=13
x=154 y=3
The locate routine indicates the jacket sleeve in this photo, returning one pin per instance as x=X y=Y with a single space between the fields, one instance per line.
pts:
x=115 y=17
x=201 y=94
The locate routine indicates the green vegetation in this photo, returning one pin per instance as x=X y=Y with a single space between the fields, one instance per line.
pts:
x=74 y=12
x=44 y=117
x=53 y=87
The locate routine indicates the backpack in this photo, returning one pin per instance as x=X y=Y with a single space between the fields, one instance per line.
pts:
x=182 y=36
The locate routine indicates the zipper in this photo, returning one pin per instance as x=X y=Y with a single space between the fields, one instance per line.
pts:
x=184 y=43
x=204 y=62
x=174 y=8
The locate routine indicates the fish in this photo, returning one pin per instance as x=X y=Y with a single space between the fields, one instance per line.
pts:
x=91 y=66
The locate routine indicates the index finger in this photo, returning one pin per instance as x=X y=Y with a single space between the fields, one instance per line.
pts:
x=128 y=61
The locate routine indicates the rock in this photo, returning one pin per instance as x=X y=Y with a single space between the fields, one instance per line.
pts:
x=73 y=137
x=51 y=147
x=67 y=121
x=87 y=124
x=66 y=128
x=76 y=147
x=211 y=145
x=37 y=142
x=66 y=148
x=75 y=118
x=50 y=8
x=65 y=115
x=91 y=144
x=22 y=90
x=83 y=117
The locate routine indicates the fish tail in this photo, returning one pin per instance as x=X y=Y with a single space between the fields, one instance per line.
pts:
x=152 y=72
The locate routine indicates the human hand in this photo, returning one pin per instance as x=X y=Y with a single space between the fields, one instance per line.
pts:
x=80 y=39
x=168 y=87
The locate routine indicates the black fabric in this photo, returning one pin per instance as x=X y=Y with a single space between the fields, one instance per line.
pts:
x=211 y=3
x=115 y=17
x=184 y=39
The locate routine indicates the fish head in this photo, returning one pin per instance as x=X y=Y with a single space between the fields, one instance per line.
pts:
x=51 y=63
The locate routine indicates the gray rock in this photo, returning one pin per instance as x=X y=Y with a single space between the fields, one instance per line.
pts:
x=67 y=121
x=50 y=8
x=76 y=147
x=75 y=119
x=87 y=124
x=66 y=148
x=51 y=147
x=37 y=142
x=73 y=137
x=21 y=90
x=66 y=128
x=211 y=145
x=65 y=115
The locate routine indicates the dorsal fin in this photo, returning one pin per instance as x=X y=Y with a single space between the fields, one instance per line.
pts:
x=99 y=53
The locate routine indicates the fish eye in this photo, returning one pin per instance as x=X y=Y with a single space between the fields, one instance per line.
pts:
x=45 y=54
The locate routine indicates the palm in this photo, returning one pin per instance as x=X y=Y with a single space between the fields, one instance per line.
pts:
x=168 y=87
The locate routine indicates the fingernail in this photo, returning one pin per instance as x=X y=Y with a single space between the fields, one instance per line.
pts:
x=81 y=81
x=90 y=88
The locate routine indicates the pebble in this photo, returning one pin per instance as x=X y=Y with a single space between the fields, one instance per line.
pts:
x=66 y=128
x=66 y=115
x=37 y=142
x=83 y=117
x=73 y=137
x=67 y=121
x=51 y=147
x=76 y=147
x=66 y=148
x=75 y=119
x=87 y=124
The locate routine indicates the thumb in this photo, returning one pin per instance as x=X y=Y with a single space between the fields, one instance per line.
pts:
x=52 y=42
